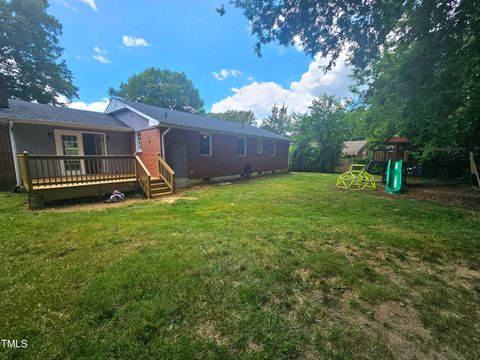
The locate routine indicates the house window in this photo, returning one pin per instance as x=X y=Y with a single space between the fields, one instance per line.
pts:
x=205 y=144
x=274 y=149
x=241 y=146
x=259 y=146
x=138 y=142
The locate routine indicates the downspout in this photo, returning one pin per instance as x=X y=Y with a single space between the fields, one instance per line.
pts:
x=14 y=152
x=163 y=142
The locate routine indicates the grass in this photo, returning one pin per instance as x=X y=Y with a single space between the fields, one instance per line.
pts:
x=279 y=267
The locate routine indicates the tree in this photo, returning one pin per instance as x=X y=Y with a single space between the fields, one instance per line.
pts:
x=164 y=88
x=425 y=85
x=325 y=27
x=278 y=121
x=240 y=116
x=29 y=53
x=319 y=136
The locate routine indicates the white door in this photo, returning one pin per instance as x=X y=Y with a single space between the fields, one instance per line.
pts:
x=70 y=143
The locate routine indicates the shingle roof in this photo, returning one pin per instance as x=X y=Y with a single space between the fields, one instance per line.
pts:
x=179 y=118
x=24 y=110
x=352 y=148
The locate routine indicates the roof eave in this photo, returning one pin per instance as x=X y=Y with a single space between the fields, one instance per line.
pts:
x=67 y=124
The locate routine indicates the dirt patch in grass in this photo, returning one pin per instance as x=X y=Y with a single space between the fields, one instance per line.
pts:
x=129 y=201
x=207 y=330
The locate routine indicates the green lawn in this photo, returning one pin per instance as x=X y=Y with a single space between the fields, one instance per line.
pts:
x=272 y=268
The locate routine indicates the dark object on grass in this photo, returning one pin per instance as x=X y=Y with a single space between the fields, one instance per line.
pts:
x=117 y=196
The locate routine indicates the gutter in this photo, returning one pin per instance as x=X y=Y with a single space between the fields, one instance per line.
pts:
x=163 y=142
x=14 y=152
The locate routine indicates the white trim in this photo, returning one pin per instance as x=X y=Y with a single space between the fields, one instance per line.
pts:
x=163 y=142
x=123 y=106
x=14 y=153
x=138 y=149
x=261 y=142
x=244 y=148
x=97 y=133
x=58 y=146
x=210 y=145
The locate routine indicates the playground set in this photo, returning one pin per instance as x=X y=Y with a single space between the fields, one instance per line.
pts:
x=392 y=159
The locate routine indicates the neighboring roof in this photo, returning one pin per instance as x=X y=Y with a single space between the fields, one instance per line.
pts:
x=352 y=148
x=183 y=119
x=32 y=112
x=397 y=140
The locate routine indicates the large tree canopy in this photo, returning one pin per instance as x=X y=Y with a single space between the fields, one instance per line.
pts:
x=318 y=136
x=426 y=84
x=163 y=88
x=324 y=27
x=29 y=53
x=418 y=60
x=278 y=121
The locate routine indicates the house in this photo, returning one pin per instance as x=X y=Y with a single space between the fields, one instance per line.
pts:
x=355 y=149
x=58 y=152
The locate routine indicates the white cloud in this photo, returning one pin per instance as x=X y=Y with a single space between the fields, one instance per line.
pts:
x=90 y=3
x=225 y=73
x=133 y=41
x=297 y=43
x=250 y=78
x=98 y=106
x=98 y=50
x=101 y=59
x=261 y=96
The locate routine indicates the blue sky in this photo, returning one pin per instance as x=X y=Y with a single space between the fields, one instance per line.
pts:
x=107 y=41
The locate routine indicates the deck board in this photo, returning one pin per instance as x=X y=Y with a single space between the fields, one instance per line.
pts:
x=84 y=179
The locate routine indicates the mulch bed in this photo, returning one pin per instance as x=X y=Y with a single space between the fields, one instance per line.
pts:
x=447 y=193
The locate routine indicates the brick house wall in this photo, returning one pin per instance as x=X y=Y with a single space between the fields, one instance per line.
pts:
x=150 y=149
x=7 y=167
x=224 y=160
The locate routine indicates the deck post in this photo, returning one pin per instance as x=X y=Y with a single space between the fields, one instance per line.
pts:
x=27 y=182
x=26 y=164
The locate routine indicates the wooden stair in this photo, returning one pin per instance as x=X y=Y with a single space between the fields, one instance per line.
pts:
x=158 y=188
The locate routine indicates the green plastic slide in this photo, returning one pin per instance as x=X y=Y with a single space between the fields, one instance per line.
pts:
x=394 y=177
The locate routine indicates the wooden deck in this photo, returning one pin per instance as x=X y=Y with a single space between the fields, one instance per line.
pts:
x=51 y=177
x=84 y=179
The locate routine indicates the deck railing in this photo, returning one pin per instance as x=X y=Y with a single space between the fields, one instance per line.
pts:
x=166 y=173
x=55 y=170
x=48 y=171
x=143 y=176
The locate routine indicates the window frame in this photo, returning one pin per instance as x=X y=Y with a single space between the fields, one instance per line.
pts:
x=138 y=141
x=274 y=149
x=244 y=146
x=209 y=145
x=260 y=141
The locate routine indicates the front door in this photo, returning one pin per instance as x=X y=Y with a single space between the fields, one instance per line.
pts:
x=69 y=143
x=180 y=164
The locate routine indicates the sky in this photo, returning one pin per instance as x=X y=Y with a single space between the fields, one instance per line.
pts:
x=107 y=41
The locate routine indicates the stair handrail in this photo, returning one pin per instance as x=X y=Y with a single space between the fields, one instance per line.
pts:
x=143 y=176
x=166 y=173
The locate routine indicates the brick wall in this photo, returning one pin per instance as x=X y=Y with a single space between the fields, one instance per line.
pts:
x=224 y=160
x=7 y=168
x=150 y=149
